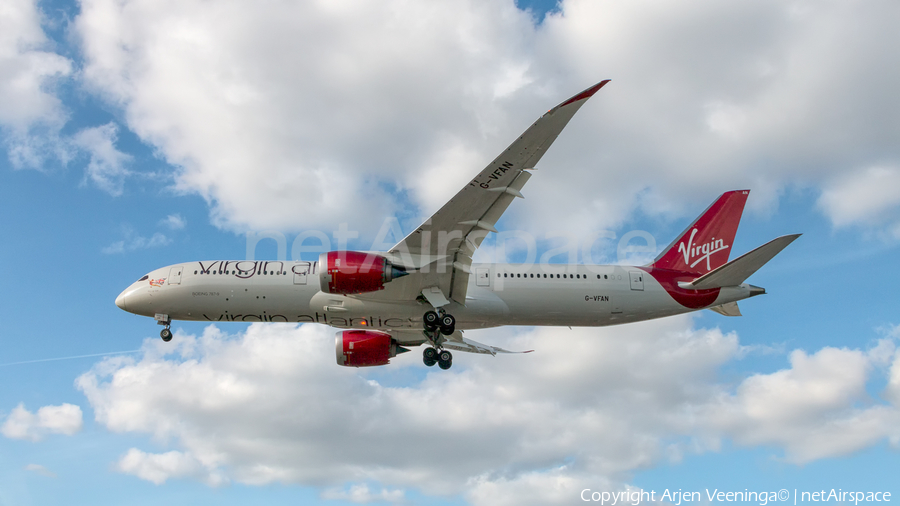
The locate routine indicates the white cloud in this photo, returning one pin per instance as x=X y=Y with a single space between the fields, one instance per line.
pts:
x=868 y=197
x=810 y=409
x=705 y=97
x=587 y=409
x=157 y=468
x=107 y=166
x=30 y=113
x=174 y=222
x=134 y=242
x=892 y=392
x=23 y=424
x=41 y=470
x=362 y=494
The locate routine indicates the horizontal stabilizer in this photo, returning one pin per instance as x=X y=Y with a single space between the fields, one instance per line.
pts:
x=727 y=309
x=738 y=270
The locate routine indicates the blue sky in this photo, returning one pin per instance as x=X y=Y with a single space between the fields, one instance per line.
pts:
x=140 y=134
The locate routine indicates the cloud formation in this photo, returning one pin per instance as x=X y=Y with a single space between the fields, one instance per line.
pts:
x=31 y=114
x=107 y=167
x=134 y=242
x=23 y=424
x=41 y=470
x=269 y=405
x=282 y=116
x=867 y=197
x=174 y=222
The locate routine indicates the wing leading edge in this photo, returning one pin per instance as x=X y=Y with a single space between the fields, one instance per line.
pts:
x=441 y=248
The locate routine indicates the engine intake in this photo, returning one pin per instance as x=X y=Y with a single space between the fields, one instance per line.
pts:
x=365 y=348
x=351 y=272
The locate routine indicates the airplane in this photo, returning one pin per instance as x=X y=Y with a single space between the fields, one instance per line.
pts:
x=426 y=290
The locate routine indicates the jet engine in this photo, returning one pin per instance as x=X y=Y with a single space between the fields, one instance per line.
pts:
x=351 y=272
x=364 y=348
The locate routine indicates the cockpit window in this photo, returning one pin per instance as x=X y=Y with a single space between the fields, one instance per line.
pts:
x=146 y=276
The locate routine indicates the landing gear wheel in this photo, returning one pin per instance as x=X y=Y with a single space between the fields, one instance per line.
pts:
x=429 y=356
x=445 y=359
x=166 y=335
x=431 y=320
x=448 y=324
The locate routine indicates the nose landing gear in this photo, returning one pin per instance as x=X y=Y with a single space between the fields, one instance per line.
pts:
x=163 y=319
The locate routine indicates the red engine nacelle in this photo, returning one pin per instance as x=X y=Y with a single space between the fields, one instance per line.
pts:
x=364 y=348
x=350 y=272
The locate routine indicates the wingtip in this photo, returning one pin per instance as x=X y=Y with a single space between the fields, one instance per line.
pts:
x=586 y=94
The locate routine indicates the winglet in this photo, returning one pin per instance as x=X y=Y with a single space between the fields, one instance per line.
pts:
x=588 y=93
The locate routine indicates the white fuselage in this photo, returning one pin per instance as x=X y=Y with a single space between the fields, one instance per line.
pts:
x=498 y=294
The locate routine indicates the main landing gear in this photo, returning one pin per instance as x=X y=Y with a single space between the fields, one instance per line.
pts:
x=444 y=322
x=438 y=324
x=443 y=358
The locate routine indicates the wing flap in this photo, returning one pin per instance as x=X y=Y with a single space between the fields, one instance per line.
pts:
x=457 y=342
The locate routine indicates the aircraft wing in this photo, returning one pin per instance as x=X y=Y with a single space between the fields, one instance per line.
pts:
x=454 y=341
x=441 y=249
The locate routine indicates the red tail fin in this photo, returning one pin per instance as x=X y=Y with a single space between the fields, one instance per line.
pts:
x=706 y=243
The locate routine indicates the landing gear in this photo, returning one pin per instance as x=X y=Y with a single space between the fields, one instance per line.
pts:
x=163 y=319
x=448 y=324
x=438 y=324
x=443 y=358
x=433 y=321
x=430 y=356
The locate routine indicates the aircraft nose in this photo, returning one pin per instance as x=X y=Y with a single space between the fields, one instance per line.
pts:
x=120 y=301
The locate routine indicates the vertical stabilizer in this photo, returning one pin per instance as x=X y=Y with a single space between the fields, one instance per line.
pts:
x=707 y=242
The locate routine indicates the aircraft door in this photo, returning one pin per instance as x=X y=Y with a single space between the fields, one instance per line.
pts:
x=301 y=271
x=483 y=277
x=637 y=280
x=175 y=275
